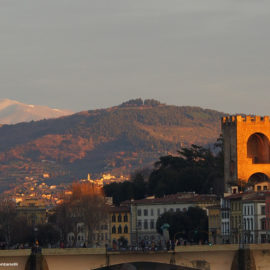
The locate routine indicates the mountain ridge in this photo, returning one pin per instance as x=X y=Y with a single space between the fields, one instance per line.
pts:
x=118 y=140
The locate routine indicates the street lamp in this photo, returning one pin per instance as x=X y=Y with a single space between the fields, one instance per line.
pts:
x=36 y=244
x=35 y=233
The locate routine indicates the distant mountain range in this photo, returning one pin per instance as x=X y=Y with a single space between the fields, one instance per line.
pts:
x=12 y=112
x=116 y=140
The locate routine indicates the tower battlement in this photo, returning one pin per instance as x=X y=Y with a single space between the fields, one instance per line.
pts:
x=233 y=119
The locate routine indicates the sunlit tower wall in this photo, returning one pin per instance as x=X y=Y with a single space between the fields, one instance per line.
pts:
x=246 y=148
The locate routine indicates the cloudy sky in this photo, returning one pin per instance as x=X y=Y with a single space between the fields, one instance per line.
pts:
x=87 y=54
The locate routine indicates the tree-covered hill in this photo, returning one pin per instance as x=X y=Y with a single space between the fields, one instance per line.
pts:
x=118 y=139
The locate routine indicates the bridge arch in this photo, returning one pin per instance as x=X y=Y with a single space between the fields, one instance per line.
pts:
x=146 y=266
x=258 y=148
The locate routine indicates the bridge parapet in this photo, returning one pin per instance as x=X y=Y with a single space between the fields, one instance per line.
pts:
x=217 y=257
x=73 y=251
x=15 y=252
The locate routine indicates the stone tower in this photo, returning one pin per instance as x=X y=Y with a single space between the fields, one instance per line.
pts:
x=246 y=148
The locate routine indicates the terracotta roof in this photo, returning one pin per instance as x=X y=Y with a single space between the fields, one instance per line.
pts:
x=257 y=196
x=217 y=206
x=249 y=196
x=234 y=196
x=177 y=198
x=122 y=209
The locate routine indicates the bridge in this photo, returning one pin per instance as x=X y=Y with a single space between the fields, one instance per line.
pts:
x=202 y=257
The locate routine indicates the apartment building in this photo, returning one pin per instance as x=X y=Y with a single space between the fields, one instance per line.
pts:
x=145 y=213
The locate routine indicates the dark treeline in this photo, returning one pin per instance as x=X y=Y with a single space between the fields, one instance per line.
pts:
x=85 y=205
x=190 y=225
x=15 y=229
x=197 y=169
x=140 y=102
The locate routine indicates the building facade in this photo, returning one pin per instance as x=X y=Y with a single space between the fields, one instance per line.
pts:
x=145 y=213
x=225 y=220
x=214 y=218
x=34 y=210
x=235 y=217
x=120 y=227
x=246 y=148
x=248 y=217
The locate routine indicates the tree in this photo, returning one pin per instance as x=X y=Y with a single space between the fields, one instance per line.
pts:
x=48 y=234
x=86 y=204
x=7 y=217
x=13 y=227
x=139 y=185
x=197 y=169
x=64 y=219
x=191 y=225
x=119 y=191
x=194 y=169
x=136 y=188
x=151 y=102
x=22 y=232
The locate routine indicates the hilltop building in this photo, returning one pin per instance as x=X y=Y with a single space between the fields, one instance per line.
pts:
x=105 y=179
x=34 y=210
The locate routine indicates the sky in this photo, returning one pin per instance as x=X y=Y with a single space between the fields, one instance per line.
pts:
x=89 y=54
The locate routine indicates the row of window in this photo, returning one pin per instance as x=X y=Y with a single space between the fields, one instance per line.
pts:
x=104 y=227
x=263 y=223
x=120 y=218
x=250 y=239
x=225 y=228
x=146 y=224
x=150 y=212
x=236 y=221
x=225 y=203
x=248 y=224
x=119 y=229
x=145 y=212
x=100 y=236
x=236 y=206
x=225 y=214
x=248 y=210
x=259 y=188
x=81 y=228
x=151 y=238
x=79 y=237
x=214 y=220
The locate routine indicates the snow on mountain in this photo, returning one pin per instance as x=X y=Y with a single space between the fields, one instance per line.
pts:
x=12 y=112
